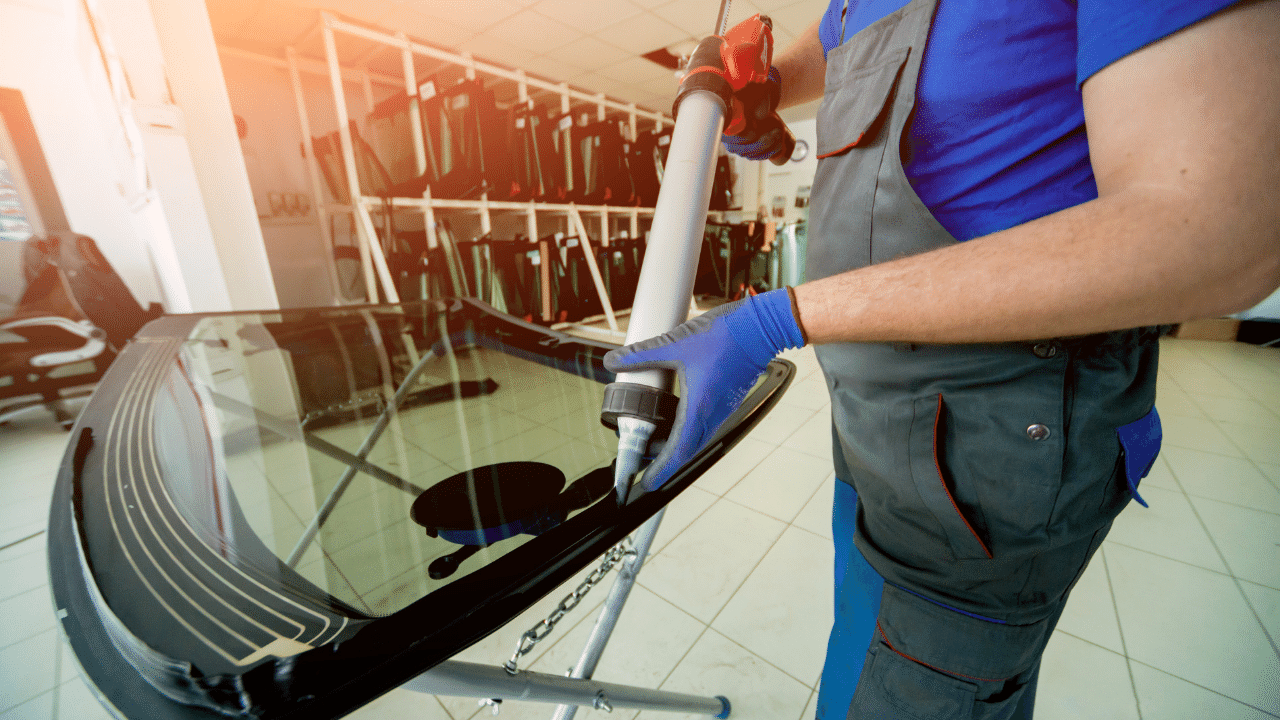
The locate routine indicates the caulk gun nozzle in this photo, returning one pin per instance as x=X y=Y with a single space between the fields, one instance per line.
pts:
x=633 y=439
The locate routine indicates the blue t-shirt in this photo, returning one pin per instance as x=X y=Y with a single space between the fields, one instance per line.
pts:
x=998 y=137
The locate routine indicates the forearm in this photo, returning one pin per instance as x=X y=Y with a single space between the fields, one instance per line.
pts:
x=1143 y=256
x=803 y=68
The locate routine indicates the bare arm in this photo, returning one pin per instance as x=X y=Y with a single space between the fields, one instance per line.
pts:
x=803 y=67
x=1185 y=142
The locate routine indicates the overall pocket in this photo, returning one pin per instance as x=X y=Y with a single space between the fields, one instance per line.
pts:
x=856 y=103
x=935 y=488
x=987 y=465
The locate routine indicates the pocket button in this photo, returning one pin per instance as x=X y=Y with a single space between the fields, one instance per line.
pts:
x=1038 y=432
x=1045 y=350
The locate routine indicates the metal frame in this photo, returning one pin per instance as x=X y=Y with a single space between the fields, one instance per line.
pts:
x=453 y=677
x=496 y=685
x=372 y=260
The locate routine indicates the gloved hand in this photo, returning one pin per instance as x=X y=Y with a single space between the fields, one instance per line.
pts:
x=759 y=133
x=739 y=69
x=717 y=357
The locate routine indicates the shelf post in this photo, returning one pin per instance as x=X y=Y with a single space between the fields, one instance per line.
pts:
x=415 y=112
x=349 y=159
x=313 y=173
x=585 y=242
x=367 y=83
x=567 y=131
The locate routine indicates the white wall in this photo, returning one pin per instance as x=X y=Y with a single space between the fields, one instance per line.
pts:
x=782 y=180
x=193 y=75
x=262 y=95
x=171 y=222
x=45 y=53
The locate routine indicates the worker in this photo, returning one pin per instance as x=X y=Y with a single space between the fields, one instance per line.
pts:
x=1011 y=198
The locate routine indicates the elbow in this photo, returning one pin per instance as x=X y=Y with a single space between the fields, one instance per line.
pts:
x=1256 y=277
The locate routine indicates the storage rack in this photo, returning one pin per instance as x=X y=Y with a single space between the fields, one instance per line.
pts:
x=373 y=263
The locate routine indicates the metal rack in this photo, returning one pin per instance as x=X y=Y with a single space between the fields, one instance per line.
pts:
x=573 y=219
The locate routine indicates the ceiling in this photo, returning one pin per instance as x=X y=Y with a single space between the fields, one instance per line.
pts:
x=594 y=45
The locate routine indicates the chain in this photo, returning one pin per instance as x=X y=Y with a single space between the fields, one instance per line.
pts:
x=537 y=633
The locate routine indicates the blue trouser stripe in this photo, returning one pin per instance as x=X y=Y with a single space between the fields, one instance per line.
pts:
x=857 y=603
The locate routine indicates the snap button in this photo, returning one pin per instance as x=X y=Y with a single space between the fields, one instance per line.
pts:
x=1038 y=432
x=1045 y=350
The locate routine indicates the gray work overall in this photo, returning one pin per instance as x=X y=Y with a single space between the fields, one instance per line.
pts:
x=986 y=474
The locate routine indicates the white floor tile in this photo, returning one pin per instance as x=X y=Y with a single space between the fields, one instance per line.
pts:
x=1265 y=602
x=1193 y=623
x=1258 y=442
x=1081 y=680
x=781 y=484
x=813 y=437
x=681 y=513
x=1198 y=434
x=731 y=468
x=26 y=669
x=25 y=571
x=702 y=568
x=1090 y=613
x=816 y=514
x=651 y=638
x=755 y=689
x=23 y=518
x=1168 y=527
x=780 y=423
x=1248 y=539
x=1161 y=476
x=783 y=611
x=1230 y=480
x=1236 y=410
x=77 y=702
x=402 y=704
x=810 y=393
x=37 y=708
x=1172 y=400
x=1272 y=471
x=496 y=648
x=70 y=666
x=1204 y=380
x=1165 y=697
x=811 y=708
x=25 y=615
x=805 y=360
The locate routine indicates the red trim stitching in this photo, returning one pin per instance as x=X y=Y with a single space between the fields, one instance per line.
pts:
x=846 y=147
x=937 y=421
x=931 y=667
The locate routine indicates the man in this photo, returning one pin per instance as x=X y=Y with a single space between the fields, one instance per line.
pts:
x=985 y=286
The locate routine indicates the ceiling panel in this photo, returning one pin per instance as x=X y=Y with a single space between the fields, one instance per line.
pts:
x=473 y=15
x=588 y=52
x=553 y=69
x=429 y=28
x=797 y=18
x=276 y=20
x=487 y=47
x=595 y=45
x=696 y=19
x=588 y=17
x=642 y=33
x=231 y=14
x=530 y=31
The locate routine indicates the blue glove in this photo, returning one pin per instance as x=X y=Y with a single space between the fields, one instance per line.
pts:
x=717 y=358
x=762 y=135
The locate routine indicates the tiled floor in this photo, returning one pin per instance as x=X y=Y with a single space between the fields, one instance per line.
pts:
x=1177 y=617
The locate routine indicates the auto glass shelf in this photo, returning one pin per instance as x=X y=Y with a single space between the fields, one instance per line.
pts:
x=233 y=531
